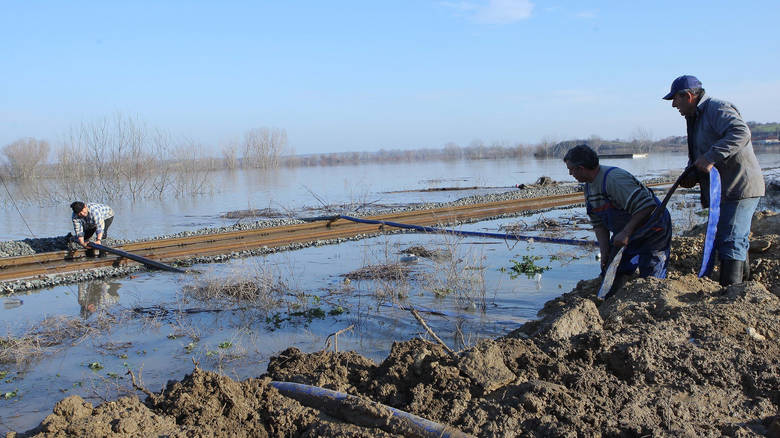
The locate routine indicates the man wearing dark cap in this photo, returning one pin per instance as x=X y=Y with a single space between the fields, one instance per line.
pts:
x=617 y=203
x=717 y=136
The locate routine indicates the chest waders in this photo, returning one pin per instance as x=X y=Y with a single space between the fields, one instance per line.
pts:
x=654 y=235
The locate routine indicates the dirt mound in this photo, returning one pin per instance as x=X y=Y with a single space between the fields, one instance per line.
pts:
x=203 y=404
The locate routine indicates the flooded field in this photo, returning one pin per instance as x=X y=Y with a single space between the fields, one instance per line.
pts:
x=294 y=191
x=231 y=318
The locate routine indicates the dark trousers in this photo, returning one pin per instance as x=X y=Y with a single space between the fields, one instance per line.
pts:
x=88 y=232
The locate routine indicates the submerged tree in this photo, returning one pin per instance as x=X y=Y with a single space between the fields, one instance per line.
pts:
x=264 y=146
x=24 y=157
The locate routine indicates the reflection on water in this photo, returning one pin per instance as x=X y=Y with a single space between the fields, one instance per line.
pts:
x=12 y=303
x=97 y=295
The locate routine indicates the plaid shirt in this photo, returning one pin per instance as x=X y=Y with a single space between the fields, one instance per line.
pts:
x=96 y=218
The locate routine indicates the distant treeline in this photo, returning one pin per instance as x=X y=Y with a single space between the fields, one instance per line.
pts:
x=764 y=137
x=450 y=152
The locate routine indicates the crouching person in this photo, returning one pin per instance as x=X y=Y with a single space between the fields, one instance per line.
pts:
x=91 y=219
x=619 y=207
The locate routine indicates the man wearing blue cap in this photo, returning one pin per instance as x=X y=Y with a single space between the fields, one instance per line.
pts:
x=717 y=136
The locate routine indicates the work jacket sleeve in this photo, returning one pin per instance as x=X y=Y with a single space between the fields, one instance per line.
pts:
x=733 y=132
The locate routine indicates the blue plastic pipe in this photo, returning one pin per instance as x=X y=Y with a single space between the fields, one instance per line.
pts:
x=137 y=258
x=341 y=405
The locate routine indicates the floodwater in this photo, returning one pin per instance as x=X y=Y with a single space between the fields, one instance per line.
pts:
x=292 y=190
x=150 y=324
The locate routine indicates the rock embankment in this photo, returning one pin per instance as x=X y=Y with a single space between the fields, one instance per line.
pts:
x=673 y=357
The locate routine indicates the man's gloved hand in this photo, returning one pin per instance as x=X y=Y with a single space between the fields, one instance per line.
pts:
x=690 y=180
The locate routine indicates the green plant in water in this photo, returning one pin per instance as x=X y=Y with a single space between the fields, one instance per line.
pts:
x=442 y=291
x=94 y=366
x=276 y=320
x=527 y=266
x=3 y=374
x=225 y=345
x=338 y=310
x=11 y=394
x=310 y=314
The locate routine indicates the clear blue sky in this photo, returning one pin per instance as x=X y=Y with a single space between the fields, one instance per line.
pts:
x=365 y=75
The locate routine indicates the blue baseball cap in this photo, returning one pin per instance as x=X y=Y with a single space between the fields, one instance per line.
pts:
x=684 y=82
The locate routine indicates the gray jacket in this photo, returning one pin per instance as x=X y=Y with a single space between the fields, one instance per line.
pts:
x=719 y=133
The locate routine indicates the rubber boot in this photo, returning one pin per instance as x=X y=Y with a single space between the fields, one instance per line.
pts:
x=731 y=271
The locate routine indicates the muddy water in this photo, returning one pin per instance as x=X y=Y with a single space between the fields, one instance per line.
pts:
x=167 y=331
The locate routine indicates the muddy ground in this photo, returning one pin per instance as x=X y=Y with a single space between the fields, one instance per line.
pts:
x=674 y=357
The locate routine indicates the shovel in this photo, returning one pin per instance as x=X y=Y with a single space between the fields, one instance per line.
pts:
x=609 y=275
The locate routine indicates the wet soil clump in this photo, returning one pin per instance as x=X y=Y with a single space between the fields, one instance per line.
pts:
x=392 y=272
x=680 y=356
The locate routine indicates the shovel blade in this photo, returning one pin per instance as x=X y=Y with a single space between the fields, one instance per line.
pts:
x=609 y=276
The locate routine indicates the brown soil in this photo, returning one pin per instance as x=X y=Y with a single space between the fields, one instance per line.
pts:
x=674 y=357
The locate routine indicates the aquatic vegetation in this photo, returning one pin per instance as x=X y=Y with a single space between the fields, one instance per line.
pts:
x=338 y=310
x=442 y=291
x=49 y=335
x=527 y=266
x=394 y=271
x=460 y=274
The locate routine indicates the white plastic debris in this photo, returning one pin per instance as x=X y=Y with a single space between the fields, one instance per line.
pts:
x=755 y=335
